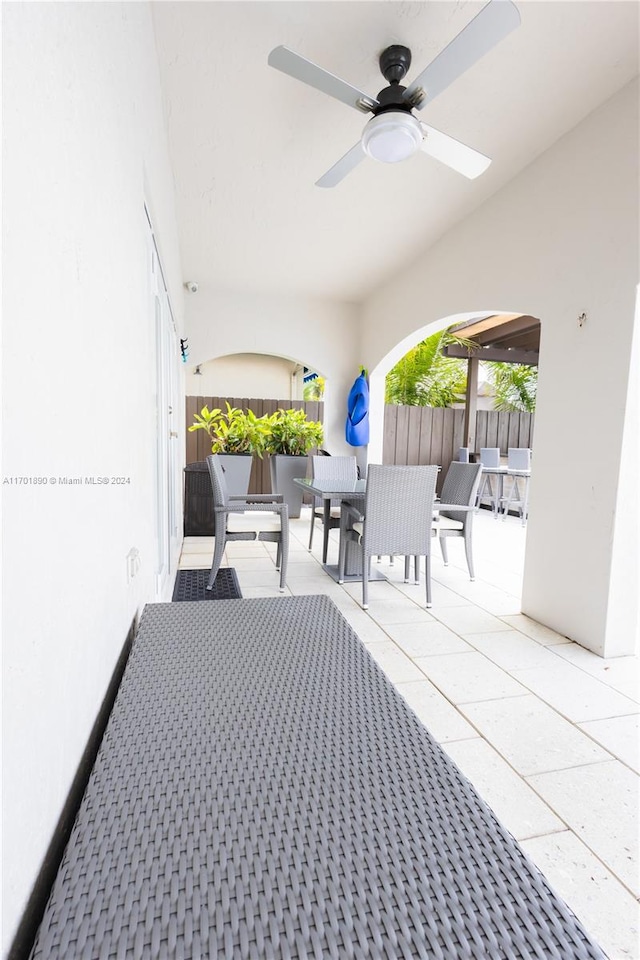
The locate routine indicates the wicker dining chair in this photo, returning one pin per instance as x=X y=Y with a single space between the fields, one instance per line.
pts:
x=397 y=520
x=233 y=521
x=457 y=507
x=329 y=470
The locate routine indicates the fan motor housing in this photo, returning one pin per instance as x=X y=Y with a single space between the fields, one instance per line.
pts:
x=394 y=62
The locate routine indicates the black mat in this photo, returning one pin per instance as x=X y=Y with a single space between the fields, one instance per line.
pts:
x=192 y=585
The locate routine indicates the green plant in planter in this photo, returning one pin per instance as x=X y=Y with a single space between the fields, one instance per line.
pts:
x=291 y=434
x=233 y=431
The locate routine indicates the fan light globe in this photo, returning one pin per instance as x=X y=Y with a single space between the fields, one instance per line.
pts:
x=392 y=136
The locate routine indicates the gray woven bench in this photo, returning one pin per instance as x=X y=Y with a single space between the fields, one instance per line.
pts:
x=262 y=791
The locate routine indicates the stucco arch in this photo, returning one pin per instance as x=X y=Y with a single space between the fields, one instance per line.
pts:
x=561 y=238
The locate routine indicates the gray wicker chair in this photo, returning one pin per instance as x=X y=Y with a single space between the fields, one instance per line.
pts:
x=398 y=515
x=232 y=523
x=457 y=507
x=327 y=470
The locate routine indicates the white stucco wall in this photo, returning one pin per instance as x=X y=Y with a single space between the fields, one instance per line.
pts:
x=321 y=334
x=247 y=375
x=561 y=239
x=84 y=147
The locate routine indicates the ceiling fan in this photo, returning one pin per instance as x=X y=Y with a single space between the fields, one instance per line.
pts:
x=394 y=133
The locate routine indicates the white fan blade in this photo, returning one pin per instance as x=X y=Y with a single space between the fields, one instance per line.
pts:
x=296 y=66
x=344 y=166
x=497 y=19
x=454 y=154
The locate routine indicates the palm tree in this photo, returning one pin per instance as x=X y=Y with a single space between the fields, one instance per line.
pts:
x=515 y=386
x=425 y=378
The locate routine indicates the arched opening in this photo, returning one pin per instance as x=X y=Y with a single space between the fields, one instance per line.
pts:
x=414 y=434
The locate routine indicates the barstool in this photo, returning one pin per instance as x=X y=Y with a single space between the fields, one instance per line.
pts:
x=491 y=483
x=518 y=467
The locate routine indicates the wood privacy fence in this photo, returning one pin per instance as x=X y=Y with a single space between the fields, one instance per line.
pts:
x=411 y=434
x=434 y=434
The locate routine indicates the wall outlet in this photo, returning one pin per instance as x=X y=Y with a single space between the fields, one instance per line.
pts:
x=133 y=563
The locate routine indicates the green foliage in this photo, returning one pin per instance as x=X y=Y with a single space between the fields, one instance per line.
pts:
x=290 y=433
x=233 y=431
x=425 y=378
x=314 y=390
x=515 y=386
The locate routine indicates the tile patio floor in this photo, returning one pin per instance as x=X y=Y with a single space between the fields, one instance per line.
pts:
x=546 y=731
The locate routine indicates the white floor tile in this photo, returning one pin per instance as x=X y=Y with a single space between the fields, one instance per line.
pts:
x=532 y=736
x=363 y=626
x=468 y=677
x=251 y=592
x=322 y=584
x=426 y=639
x=195 y=561
x=620 y=673
x=489 y=598
x=620 y=736
x=511 y=650
x=514 y=803
x=600 y=804
x=249 y=564
x=198 y=545
x=395 y=664
x=258 y=578
x=604 y=907
x=469 y=619
x=534 y=630
x=300 y=571
x=442 y=719
x=443 y=596
x=573 y=693
x=398 y=611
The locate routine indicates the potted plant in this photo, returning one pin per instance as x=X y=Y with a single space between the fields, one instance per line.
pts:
x=234 y=432
x=290 y=438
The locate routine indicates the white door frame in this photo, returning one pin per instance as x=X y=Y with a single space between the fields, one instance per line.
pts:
x=167 y=499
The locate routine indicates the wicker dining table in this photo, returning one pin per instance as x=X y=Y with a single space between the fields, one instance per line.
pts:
x=263 y=791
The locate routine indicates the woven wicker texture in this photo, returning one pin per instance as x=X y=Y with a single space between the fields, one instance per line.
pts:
x=262 y=791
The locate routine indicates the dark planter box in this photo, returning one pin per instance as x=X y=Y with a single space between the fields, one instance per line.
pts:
x=198 y=501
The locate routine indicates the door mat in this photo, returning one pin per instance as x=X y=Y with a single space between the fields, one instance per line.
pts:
x=192 y=585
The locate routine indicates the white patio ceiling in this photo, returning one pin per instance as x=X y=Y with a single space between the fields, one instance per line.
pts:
x=247 y=142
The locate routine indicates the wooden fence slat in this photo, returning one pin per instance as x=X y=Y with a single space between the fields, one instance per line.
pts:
x=402 y=434
x=389 y=433
x=436 y=435
x=413 y=435
x=513 y=431
x=426 y=423
x=481 y=429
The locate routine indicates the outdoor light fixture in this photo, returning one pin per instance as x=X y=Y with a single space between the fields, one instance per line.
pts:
x=392 y=136
x=197 y=372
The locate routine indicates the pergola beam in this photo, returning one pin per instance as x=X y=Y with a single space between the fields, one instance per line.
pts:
x=492 y=353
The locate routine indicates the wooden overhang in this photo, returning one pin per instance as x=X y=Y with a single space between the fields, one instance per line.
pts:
x=509 y=338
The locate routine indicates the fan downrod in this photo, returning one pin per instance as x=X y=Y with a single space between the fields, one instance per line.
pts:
x=395 y=62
